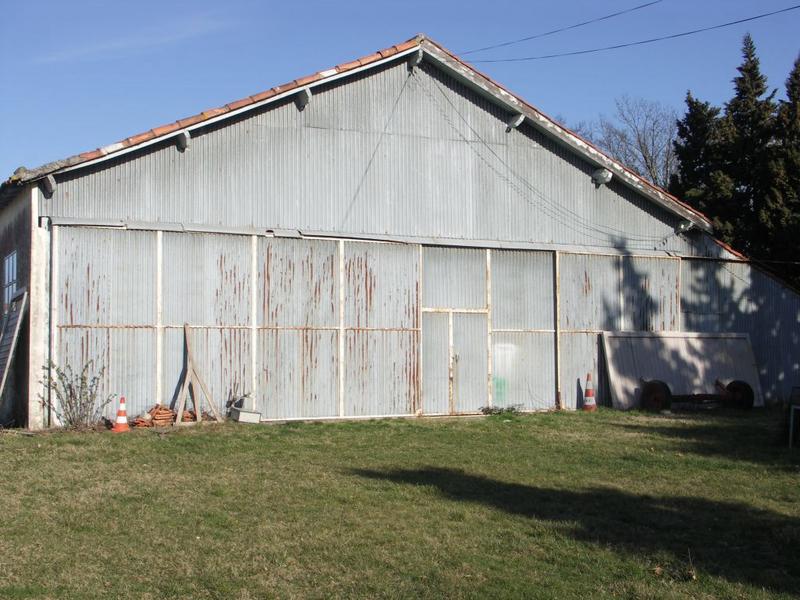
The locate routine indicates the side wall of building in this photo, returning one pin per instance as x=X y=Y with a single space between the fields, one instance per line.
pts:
x=511 y=265
x=316 y=328
x=15 y=236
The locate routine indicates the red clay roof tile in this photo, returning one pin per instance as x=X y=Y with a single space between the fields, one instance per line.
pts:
x=308 y=79
x=92 y=154
x=406 y=45
x=239 y=103
x=191 y=120
x=165 y=129
x=369 y=59
x=263 y=95
x=348 y=65
x=285 y=87
x=142 y=137
x=214 y=112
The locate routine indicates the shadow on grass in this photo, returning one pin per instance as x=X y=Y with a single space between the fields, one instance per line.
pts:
x=729 y=435
x=733 y=541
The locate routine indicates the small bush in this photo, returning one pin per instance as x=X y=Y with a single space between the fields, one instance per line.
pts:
x=73 y=397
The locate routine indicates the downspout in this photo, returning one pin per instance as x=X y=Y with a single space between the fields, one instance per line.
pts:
x=47 y=222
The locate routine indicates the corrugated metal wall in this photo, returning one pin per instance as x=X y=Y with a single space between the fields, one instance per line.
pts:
x=341 y=328
x=327 y=327
x=380 y=153
x=317 y=328
x=733 y=297
x=609 y=293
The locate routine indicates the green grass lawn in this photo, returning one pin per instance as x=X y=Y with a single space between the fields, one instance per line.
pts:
x=563 y=505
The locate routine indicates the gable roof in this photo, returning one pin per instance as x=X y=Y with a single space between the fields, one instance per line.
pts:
x=421 y=48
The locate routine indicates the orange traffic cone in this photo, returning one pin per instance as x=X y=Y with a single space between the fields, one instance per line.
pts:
x=121 y=424
x=589 y=405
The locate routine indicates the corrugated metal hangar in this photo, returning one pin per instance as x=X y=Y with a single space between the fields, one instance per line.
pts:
x=393 y=236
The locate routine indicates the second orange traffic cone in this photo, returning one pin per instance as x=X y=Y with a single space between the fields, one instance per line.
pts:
x=121 y=424
x=589 y=405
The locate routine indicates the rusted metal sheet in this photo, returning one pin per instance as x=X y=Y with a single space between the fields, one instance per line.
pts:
x=701 y=302
x=297 y=373
x=523 y=371
x=381 y=285
x=470 y=363
x=222 y=357
x=651 y=294
x=107 y=277
x=522 y=290
x=206 y=279
x=297 y=283
x=581 y=353
x=381 y=373
x=453 y=278
x=590 y=292
x=435 y=360
x=125 y=355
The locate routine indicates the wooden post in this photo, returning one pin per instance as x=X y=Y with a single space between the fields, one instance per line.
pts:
x=192 y=377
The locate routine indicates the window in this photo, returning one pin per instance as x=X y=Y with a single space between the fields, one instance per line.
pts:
x=9 y=278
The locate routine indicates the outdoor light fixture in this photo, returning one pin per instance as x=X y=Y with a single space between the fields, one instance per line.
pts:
x=685 y=226
x=49 y=186
x=303 y=98
x=182 y=140
x=601 y=177
x=415 y=59
x=514 y=122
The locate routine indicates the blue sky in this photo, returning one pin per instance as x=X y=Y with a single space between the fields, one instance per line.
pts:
x=81 y=74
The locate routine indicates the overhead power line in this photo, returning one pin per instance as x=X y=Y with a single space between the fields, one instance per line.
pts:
x=559 y=30
x=640 y=42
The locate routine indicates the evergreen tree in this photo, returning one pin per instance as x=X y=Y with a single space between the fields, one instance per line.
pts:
x=788 y=135
x=747 y=211
x=786 y=170
x=741 y=166
x=697 y=150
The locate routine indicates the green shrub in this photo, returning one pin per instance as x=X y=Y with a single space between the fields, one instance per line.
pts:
x=73 y=397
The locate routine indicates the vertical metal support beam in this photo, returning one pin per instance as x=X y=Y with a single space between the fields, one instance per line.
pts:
x=341 y=329
x=39 y=315
x=52 y=351
x=253 y=321
x=489 y=378
x=420 y=399
x=159 y=317
x=680 y=294
x=557 y=318
x=621 y=269
x=451 y=371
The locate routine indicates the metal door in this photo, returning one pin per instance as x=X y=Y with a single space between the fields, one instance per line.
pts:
x=469 y=360
x=454 y=362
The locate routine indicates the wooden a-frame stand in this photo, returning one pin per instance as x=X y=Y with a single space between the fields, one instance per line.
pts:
x=192 y=377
